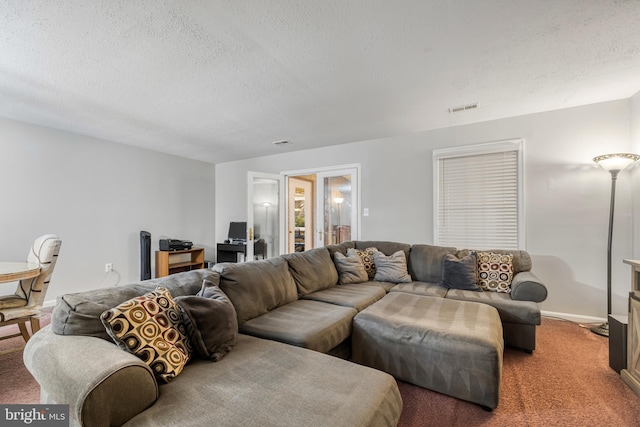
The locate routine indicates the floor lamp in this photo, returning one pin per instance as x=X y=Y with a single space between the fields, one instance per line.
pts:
x=614 y=163
x=338 y=201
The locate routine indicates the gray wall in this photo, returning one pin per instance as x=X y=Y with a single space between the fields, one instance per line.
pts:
x=566 y=194
x=97 y=196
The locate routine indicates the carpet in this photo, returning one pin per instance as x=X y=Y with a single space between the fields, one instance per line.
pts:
x=566 y=382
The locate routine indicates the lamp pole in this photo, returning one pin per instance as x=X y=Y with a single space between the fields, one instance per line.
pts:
x=614 y=163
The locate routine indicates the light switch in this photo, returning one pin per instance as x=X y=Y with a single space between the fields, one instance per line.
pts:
x=365 y=212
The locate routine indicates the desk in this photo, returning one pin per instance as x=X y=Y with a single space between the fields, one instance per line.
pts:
x=228 y=252
x=14 y=271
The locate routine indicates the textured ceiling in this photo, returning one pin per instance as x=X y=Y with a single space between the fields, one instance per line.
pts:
x=221 y=80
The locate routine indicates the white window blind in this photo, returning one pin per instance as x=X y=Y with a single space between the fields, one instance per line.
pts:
x=478 y=196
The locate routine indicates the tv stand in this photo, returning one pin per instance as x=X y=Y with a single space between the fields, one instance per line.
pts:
x=170 y=262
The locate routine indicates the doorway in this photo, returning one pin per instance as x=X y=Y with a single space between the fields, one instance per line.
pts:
x=322 y=207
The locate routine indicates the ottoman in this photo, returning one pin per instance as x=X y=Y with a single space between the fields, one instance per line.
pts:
x=452 y=347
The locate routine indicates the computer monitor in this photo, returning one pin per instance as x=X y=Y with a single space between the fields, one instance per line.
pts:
x=238 y=231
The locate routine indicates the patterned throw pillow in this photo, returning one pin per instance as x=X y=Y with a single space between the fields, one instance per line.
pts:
x=495 y=271
x=151 y=327
x=367 y=259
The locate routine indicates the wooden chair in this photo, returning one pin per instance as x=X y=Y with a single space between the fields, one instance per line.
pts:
x=25 y=305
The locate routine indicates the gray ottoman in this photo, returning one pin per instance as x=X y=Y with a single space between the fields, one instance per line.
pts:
x=452 y=347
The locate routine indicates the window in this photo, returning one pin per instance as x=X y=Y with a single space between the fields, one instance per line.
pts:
x=478 y=196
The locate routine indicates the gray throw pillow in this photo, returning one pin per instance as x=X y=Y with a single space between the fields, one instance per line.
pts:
x=460 y=273
x=350 y=269
x=392 y=268
x=211 y=320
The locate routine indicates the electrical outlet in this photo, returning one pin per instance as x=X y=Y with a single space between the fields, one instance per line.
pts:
x=365 y=212
x=108 y=267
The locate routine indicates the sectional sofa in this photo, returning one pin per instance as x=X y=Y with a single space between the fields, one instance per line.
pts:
x=292 y=316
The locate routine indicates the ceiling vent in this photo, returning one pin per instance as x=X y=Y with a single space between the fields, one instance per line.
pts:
x=283 y=142
x=464 y=108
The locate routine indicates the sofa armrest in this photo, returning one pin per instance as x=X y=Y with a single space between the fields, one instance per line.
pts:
x=527 y=287
x=102 y=384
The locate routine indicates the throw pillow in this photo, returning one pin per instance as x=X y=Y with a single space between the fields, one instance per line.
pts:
x=150 y=326
x=460 y=273
x=211 y=320
x=392 y=268
x=350 y=268
x=495 y=271
x=366 y=256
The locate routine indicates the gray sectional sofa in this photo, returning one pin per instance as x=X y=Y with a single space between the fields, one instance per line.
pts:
x=293 y=316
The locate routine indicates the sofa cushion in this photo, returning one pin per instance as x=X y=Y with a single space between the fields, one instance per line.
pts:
x=421 y=288
x=366 y=256
x=495 y=271
x=266 y=383
x=425 y=262
x=385 y=247
x=460 y=273
x=392 y=268
x=525 y=312
x=350 y=268
x=79 y=313
x=151 y=327
x=311 y=324
x=387 y=286
x=340 y=247
x=210 y=319
x=312 y=270
x=257 y=287
x=355 y=295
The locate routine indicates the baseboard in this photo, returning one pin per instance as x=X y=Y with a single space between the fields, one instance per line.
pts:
x=49 y=303
x=574 y=317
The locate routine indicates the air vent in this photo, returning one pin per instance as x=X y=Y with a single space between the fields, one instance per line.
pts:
x=283 y=142
x=464 y=108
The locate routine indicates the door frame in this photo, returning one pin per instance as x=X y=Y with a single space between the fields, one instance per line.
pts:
x=318 y=170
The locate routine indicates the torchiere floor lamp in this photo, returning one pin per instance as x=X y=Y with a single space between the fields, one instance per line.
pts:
x=614 y=163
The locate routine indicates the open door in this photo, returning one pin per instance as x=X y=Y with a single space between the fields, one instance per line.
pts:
x=265 y=216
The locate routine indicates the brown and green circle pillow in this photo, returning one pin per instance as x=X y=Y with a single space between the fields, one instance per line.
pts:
x=366 y=255
x=151 y=327
x=495 y=271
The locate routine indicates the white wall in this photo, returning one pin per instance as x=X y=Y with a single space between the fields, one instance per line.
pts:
x=97 y=196
x=566 y=194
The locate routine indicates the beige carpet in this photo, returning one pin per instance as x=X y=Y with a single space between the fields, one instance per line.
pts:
x=566 y=382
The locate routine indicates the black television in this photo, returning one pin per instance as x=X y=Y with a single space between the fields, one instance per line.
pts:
x=238 y=231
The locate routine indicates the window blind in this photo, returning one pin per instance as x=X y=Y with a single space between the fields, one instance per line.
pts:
x=478 y=200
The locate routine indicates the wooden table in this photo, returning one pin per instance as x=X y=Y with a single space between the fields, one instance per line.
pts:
x=14 y=271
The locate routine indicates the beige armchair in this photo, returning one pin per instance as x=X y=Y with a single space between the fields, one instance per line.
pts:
x=25 y=304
